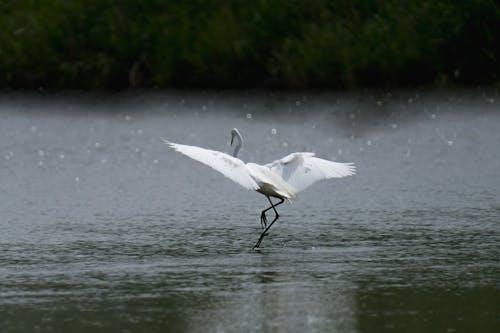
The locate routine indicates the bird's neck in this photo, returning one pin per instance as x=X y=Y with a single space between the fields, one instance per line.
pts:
x=238 y=145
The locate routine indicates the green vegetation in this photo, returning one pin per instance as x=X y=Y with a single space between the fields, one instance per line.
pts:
x=114 y=44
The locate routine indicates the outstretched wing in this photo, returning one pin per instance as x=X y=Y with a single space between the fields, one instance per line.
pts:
x=301 y=170
x=231 y=167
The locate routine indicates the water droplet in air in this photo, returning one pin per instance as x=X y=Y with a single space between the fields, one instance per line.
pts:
x=139 y=131
x=61 y=156
x=433 y=116
x=77 y=179
x=273 y=131
x=369 y=142
x=41 y=153
x=127 y=117
x=297 y=103
x=249 y=116
x=203 y=107
x=285 y=144
x=97 y=145
x=155 y=161
x=449 y=142
x=33 y=129
x=394 y=126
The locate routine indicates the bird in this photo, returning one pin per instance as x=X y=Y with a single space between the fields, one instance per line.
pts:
x=281 y=179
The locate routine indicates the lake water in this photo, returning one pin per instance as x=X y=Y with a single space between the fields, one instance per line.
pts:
x=102 y=228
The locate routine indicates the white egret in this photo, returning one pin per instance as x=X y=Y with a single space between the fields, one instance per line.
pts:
x=281 y=179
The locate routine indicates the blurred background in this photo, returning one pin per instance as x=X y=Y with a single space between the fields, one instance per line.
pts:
x=118 y=44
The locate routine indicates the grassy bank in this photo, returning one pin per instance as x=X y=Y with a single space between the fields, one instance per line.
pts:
x=117 y=44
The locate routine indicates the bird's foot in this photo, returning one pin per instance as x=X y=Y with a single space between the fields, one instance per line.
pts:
x=257 y=245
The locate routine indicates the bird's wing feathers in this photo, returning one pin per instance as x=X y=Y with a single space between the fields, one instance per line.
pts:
x=301 y=170
x=231 y=167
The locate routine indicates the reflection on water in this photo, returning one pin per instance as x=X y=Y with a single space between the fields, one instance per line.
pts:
x=104 y=229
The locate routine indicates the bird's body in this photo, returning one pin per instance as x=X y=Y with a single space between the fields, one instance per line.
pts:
x=281 y=179
x=270 y=183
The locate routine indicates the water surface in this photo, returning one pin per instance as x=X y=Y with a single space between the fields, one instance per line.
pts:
x=103 y=228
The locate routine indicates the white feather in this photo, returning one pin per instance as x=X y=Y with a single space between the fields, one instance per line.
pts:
x=301 y=170
x=283 y=178
x=270 y=182
x=231 y=167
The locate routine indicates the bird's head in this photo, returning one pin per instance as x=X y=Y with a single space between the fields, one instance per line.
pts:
x=235 y=134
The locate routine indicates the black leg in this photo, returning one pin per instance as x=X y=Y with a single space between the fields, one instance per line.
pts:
x=264 y=233
x=263 y=217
